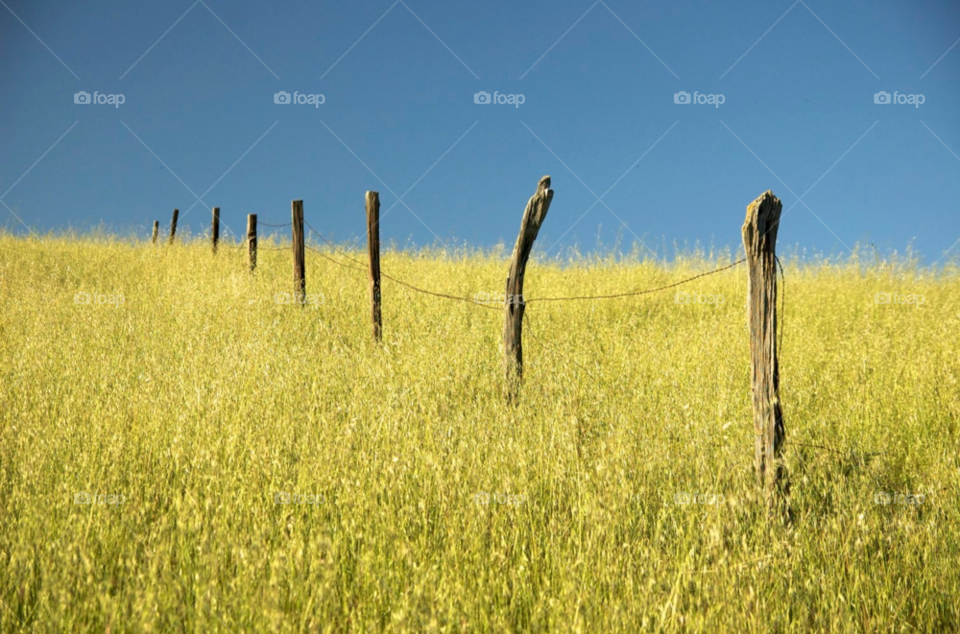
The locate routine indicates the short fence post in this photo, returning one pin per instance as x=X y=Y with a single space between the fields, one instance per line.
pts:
x=156 y=230
x=215 y=228
x=514 y=306
x=252 y=240
x=373 y=248
x=760 y=241
x=173 y=224
x=299 y=265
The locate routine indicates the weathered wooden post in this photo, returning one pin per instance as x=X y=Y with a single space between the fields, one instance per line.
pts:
x=373 y=248
x=215 y=228
x=252 y=240
x=759 y=242
x=156 y=230
x=514 y=306
x=299 y=264
x=173 y=224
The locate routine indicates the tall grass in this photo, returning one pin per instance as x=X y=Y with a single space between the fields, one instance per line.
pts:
x=186 y=410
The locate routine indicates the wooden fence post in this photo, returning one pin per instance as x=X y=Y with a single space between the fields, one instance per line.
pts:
x=156 y=230
x=373 y=248
x=215 y=228
x=252 y=240
x=759 y=242
x=173 y=224
x=299 y=265
x=514 y=306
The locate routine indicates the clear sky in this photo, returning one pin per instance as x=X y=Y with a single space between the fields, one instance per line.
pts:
x=399 y=77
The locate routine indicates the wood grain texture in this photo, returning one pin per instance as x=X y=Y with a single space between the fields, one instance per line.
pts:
x=215 y=228
x=299 y=262
x=173 y=224
x=533 y=217
x=760 y=240
x=252 y=241
x=373 y=249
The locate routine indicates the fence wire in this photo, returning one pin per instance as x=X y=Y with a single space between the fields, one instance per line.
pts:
x=362 y=267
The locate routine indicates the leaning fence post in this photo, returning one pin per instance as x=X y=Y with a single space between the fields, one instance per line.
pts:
x=760 y=241
x=173 y=224
x=373 y=248
x=252 y=240
x=156 y=230
x=514 y=306
x=215 y=228
x=299 y=266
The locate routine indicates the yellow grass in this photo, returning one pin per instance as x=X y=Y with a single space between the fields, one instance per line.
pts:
x=185 y=411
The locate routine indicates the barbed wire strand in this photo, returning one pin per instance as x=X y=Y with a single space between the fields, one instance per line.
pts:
x=402 y=283
x=536 y=299
x=634 y=293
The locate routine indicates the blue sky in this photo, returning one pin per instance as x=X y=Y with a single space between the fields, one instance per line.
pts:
x=398 y=80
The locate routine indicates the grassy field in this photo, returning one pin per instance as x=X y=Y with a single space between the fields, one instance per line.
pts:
x=160 y=406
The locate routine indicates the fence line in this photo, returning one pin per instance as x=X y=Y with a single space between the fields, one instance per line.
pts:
x=759 y=240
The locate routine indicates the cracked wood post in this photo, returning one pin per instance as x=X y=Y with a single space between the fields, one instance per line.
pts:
x=252 y=240
x=173 y=224
x=514 y=306
x=156 y=230
x=373 y=249
x=215 y=228
x=759 y=242
x=299 y=264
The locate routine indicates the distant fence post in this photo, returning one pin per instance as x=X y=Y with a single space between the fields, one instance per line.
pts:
x=156 y=230
x=299 y=265
x=173 y=224
x=215 y=228
x=759 y=242
x=252 y=240
x=514 y=306
x=373 y=248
